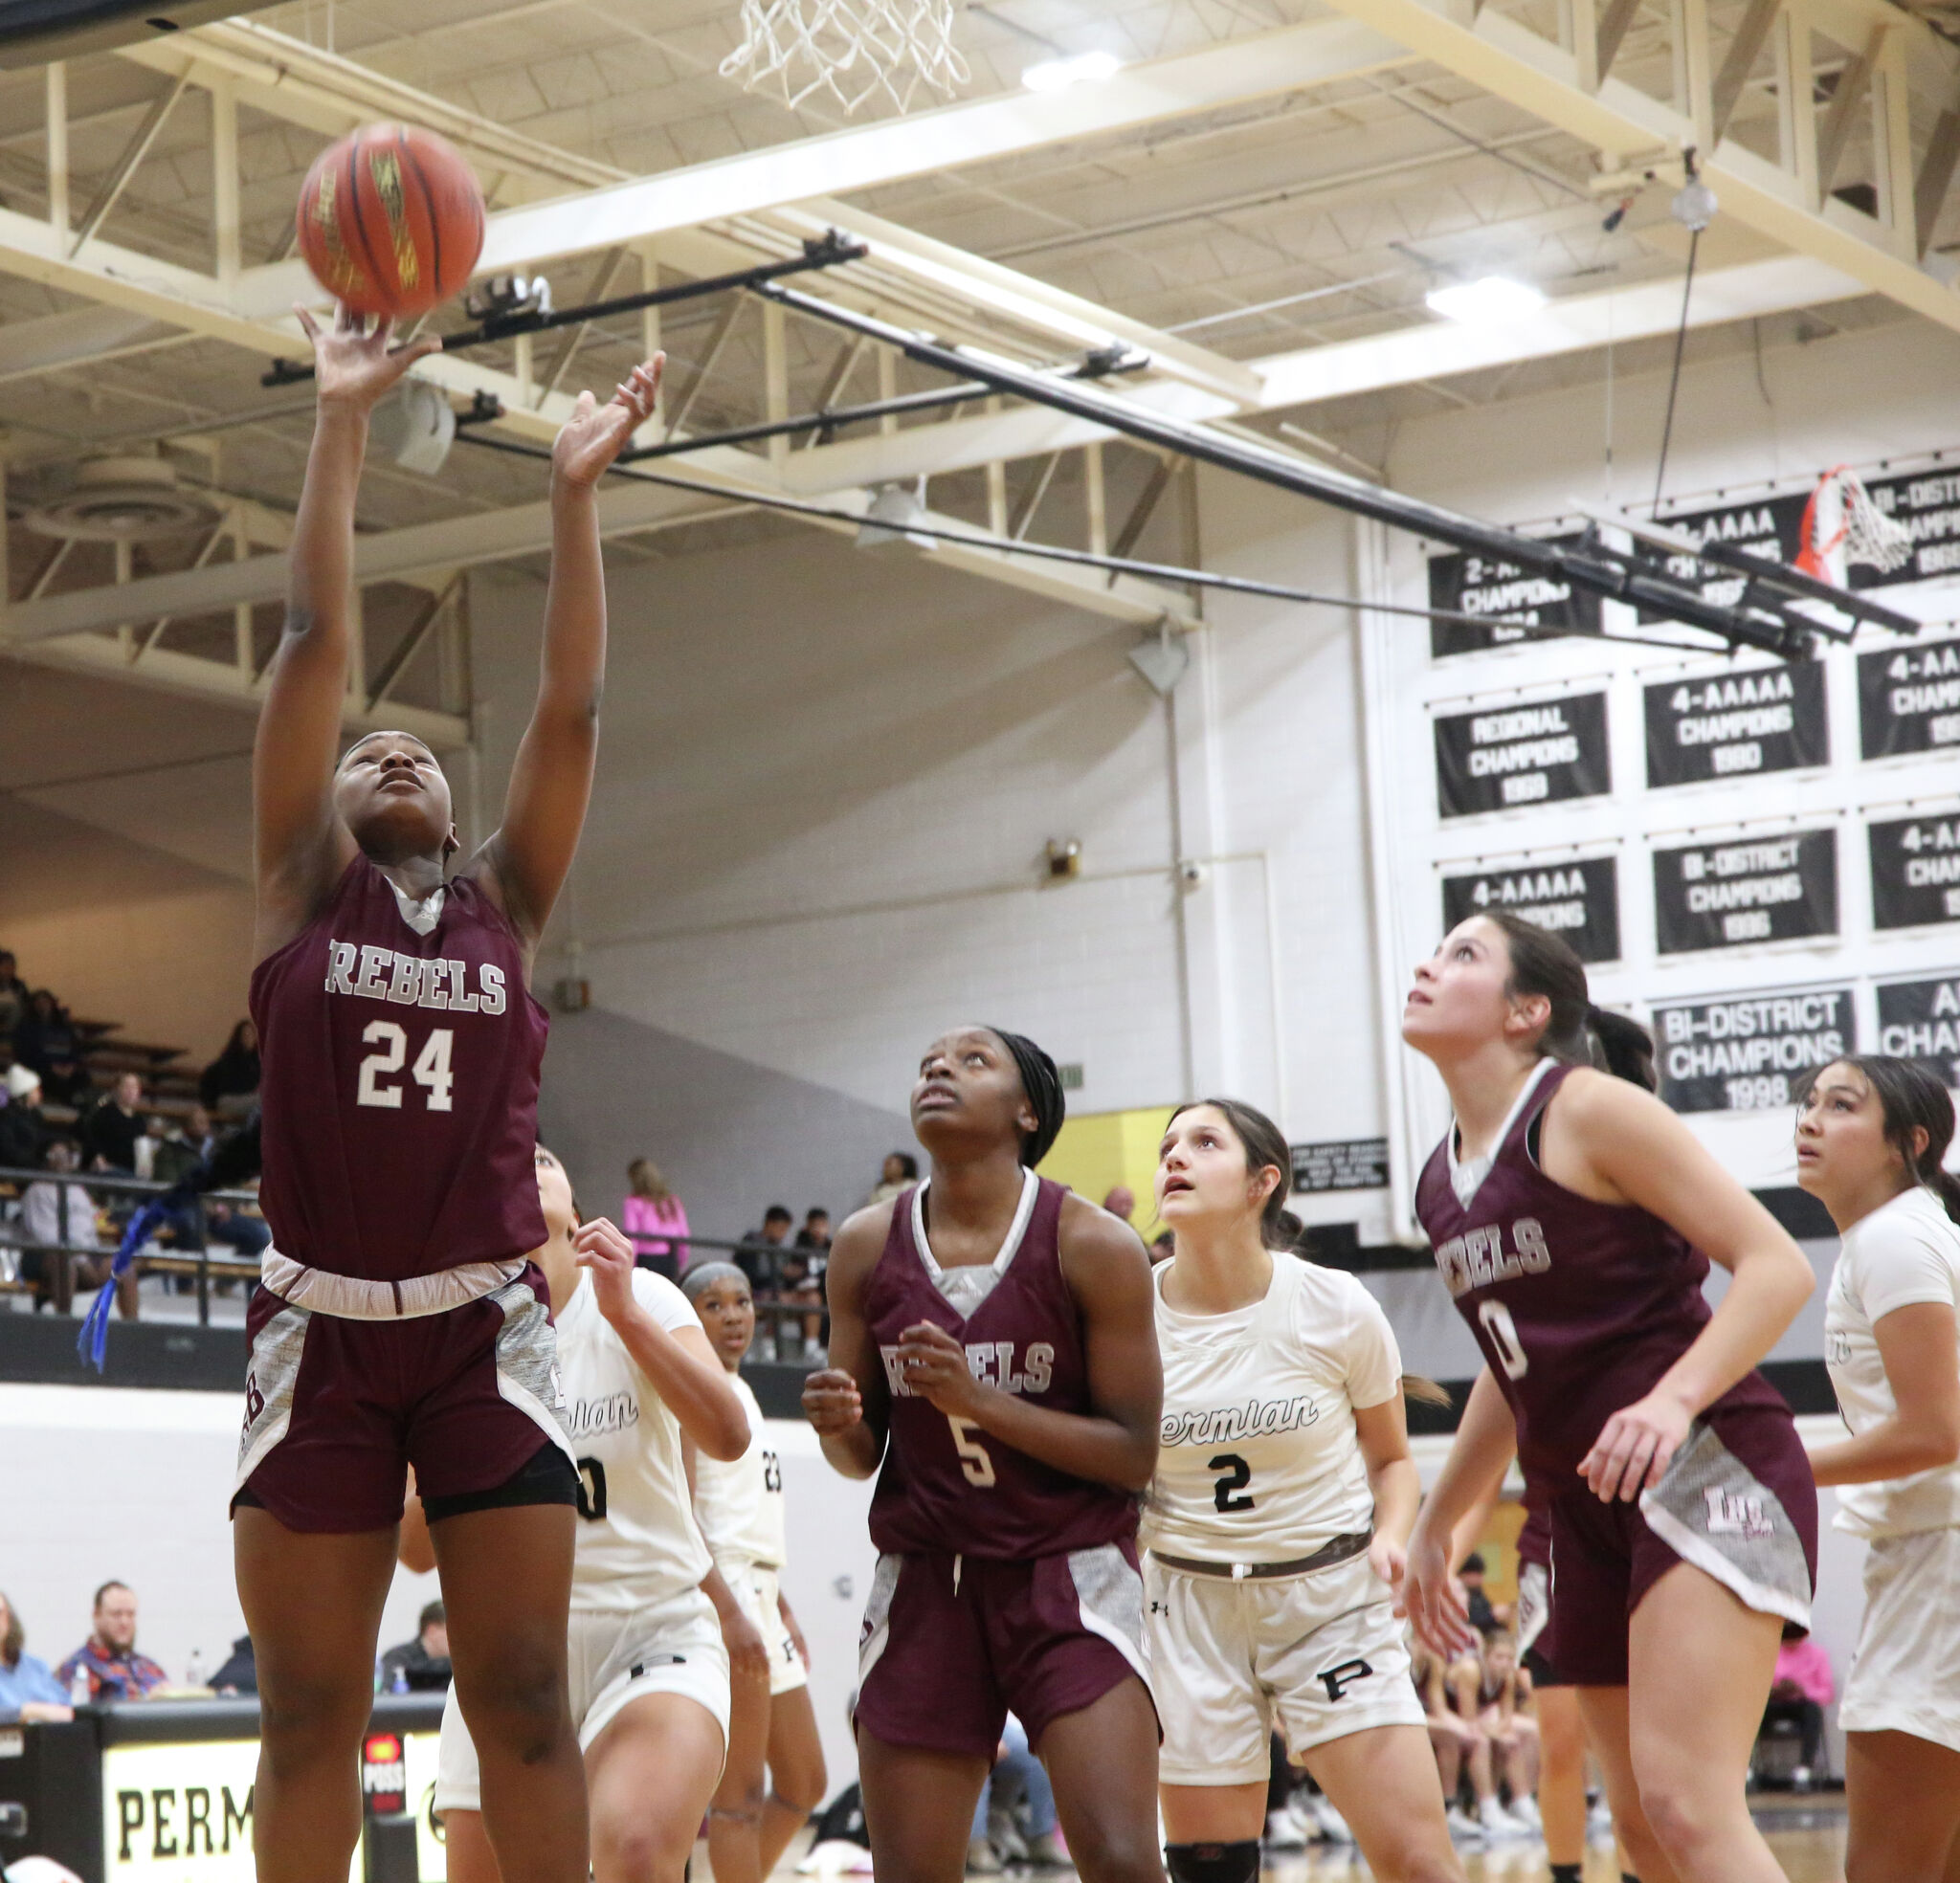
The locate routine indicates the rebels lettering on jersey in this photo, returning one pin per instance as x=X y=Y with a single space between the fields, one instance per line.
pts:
x=1579 y=1307
x=946 y=1486
x=399 y=1085
x=371 y=973
x=1478 y=1257
x=990 y=1362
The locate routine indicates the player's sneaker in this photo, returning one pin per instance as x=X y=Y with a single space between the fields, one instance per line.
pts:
x=1497 y=1821
x=1463 y=1827
x=1526 y=1807
x=1046 y=1851
x=981 y=1860
x=1600 y=1824
x=1329 y=1823
x=1005 y=1835
x=1284 y=1831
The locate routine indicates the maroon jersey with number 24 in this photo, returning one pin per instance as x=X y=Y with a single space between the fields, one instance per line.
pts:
x=1579 y=1306
x=399 y=1085
x=946 y=1487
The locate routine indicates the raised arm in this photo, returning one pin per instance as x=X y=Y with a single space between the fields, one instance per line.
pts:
x=849 y=1402
x=300 y=845
x=525 y=863
x=1109 y=1275
x=1611 y=1140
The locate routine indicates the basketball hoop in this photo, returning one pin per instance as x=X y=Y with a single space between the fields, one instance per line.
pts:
x=852 y=49
x=1842 y=525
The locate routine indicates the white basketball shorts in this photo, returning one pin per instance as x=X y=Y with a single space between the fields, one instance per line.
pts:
x=612 y=1658
x=1318 y=1657
x=1905 y=1670
x=755 y=1589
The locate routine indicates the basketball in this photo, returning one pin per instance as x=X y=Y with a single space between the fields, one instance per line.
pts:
x=391 y=220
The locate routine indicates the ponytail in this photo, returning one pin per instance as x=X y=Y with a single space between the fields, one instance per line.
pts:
x=1620 y=1046
x=1418 y=1389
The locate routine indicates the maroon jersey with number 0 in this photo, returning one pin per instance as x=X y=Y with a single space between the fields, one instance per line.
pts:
x=399 y=1085
x=964 y=1492
x=1579 y=1306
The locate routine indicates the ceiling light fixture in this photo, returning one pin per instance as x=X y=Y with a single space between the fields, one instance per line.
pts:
x=1057 y=75
x=1486 y=302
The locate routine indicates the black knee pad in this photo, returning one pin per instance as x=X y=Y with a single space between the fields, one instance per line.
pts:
x=1213 y=1863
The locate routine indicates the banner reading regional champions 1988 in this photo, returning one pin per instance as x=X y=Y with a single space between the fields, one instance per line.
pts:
x=1541 y=753
x=1749 y=889
x=1741 y=1053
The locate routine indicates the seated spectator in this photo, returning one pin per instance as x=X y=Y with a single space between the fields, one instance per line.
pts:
x=240 y=1673
x=1483 y=1616
x=108 y=1657
x=57 y=1217
x=1799 y=1691
x=235 y=1072
x=111 y=1127
x=27 y=1691
x=13 y=994
x=900 y=1173
x=655 y=1221
x=420 y=1666
x=23 y=1130
x=1490 y=1693
x=997 y=1839
x=181 y=1148
x=760 y=1254
x=1461 y=1749
x=803 y=1270
x=47 y=1042
x=1120 y=1202
x=1164 y=1247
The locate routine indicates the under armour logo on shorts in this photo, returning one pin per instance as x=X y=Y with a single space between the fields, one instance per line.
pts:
x=1735 y=1516
x=1338 y=1679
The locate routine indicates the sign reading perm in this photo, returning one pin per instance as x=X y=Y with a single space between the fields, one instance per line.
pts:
x=1349 y=1164
x=1542 y=753
x=1737 y=725
x=1465 y=583
x=1916 y=870
x=1908 y=699
x=1577 y=900
x=1741 y=1053
x=1921 y=1020
x=1752 y=889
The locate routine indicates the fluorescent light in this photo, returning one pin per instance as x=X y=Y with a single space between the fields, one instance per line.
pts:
x=1057 y=75
x=1484 y=303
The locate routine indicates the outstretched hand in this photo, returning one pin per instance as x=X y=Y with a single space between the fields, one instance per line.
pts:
x=353 y=365
x=595 y=434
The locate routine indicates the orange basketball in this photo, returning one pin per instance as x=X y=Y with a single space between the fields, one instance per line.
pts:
x=391 y=220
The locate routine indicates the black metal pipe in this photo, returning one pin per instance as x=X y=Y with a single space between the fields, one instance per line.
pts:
x=1588 y=569
x=819 y=252
x=817 y=421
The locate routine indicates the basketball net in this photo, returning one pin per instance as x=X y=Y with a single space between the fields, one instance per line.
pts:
x=852 y=49
x=1842 y=525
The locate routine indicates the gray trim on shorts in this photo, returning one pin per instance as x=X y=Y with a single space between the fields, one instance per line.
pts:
x=528 y=1362
x=1109 y=1594
x=876 y=1633
x=272 y=1374
x=1712 y=1511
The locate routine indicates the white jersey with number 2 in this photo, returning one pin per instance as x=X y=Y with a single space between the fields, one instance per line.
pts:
x=740 y=1503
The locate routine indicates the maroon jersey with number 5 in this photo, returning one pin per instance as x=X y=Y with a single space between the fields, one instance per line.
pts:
x=398 y=1090
x=1579 y=1306
x=955 y=1489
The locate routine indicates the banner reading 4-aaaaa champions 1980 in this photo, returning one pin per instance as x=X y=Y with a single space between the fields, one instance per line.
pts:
x=1737 y=725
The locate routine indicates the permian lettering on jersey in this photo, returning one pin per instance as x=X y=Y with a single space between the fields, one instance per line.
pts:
x=1257 y=1418
x=991 y=1362
x=611 y=1412
x=1477 y=1257
x=372 y=973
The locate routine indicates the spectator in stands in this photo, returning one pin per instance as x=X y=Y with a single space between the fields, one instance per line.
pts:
x=23 y=1129
x=996 y=1839
x=655 y=1221
x=1492 y=1691
x=27 y=1691
x=181 y=1154
x=1164 y=1248
x=761 y=1253
x=240 y=1673
x=1483 y=1617
x=1799 y=1692
x=900 y=1173
x=803 y=1270
x=235 y=1072
x=13 y=994
x=56 y=1217
x=181 y=1148
x=1122 y=1202
x=47 y=1041
x=1461 y=1750
x=110 y=1131
x=420 y=1666
x=108 y=1657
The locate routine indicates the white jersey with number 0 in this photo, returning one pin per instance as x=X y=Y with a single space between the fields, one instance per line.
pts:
x=741 y=1504
x=1260 y=1461
x=638 y=1542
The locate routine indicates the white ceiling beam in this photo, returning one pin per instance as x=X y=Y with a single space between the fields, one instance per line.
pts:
x=1507 y=58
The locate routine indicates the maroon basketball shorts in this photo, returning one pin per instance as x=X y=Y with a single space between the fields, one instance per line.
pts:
x=337 y=1405
x=953 y=1644
x=1737 y=1501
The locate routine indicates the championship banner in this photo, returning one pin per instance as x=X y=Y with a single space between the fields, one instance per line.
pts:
x=1578 y=900
x=1737 y=725
x=1742 y=1051
x=1915 y=871
x=1469 y=583
x=1921 y=1020
x=1926 y=505
x=1908 y=699
x=1544 y=753
x=1753 y=889
x=1771 y=527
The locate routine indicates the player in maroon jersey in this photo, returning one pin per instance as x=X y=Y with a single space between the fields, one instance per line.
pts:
x=1574 y=1218
x=993 y=1359
x=399 y=1321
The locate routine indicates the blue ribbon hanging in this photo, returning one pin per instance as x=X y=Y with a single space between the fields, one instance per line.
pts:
x=92 y=1343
